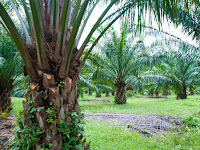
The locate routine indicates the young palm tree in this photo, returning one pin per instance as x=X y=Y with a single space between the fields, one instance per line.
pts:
x=120 y=63
x=53 y=60
x=185 y=72
x=181 y=67
x=86 y=79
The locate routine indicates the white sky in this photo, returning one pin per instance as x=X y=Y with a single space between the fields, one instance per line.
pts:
x=166 y=27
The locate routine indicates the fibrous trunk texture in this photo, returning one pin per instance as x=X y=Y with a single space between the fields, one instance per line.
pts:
x=5 y=95
x=54 y=107
x=51 y=109
x=120 y=97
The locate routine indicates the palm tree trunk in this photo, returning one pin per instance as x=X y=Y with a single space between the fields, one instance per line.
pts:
x=107 y=93
x=191 y=90
x=113 y=93
x=183 y=94
x=165 y=91
x=120 y=97
x=98 y=94
x=90 y=91
x=5 y=95
x=151 y=93
x=5 y=100
x=157 y=93
x=54 y=109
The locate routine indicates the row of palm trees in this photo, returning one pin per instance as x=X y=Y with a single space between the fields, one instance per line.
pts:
x=166 y=65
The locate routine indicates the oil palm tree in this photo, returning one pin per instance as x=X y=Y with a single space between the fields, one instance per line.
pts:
x=53 y=59
x=185 y=72
x=10 y=67
x=181 y=67
x=120 y=62
x=190 y=19
x=86 y=80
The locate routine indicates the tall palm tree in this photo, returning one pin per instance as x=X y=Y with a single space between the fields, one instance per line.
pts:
x=53 y=59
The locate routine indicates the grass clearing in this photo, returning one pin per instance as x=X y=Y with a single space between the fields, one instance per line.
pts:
x=169 y=106
x=104 y=136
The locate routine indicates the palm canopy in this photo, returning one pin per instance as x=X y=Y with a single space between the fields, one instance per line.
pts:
x=121 y=60
x=181 y=67
x=190 y=19
x=88 y=82
x=64 y=21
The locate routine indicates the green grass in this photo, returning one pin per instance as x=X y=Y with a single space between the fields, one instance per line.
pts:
x=17 y=105
x=104 y=136
x=169 y=106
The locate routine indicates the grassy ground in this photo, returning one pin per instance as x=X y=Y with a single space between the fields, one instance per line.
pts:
x=108 y=137
x=169 y=106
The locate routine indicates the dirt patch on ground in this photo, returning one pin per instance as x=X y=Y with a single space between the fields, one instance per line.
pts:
x=97 y=100
x=6 y=130
x=142 y=96
x=149 y=124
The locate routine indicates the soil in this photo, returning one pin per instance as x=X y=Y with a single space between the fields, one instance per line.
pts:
x=97 y=100
x=149 y=124
x=6 y=130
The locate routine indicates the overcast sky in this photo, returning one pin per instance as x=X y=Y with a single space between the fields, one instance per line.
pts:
x=167 y=27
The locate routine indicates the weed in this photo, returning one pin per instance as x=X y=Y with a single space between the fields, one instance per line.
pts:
x=52 y=118
x=25 y=136
x=69 y=129
x=4 y=113
x=191 y=122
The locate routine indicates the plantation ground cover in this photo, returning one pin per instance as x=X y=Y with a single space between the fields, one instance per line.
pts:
x=169 y=106
x=106 y=136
